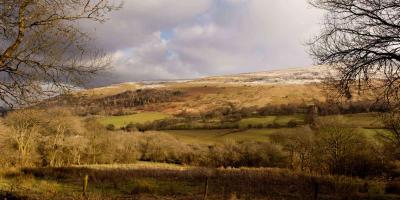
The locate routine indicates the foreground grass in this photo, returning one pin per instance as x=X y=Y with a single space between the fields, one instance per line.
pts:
x=152 y=181
x=121 y=121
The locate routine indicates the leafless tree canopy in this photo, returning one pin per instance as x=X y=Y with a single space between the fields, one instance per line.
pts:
x=362 y=39
x=42 y=47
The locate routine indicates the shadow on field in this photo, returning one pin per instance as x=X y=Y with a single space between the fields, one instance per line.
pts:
x=199 y=183
x=10 y=196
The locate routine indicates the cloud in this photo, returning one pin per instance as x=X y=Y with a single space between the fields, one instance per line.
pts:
x=135 y=23
x=166 y=39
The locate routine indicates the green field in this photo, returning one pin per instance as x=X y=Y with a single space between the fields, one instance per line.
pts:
x=281 y=120
x=360 y=120
x=220 y=135
x=368 y=123
x=140 y=118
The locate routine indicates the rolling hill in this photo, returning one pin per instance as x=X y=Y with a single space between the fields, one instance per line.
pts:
x=290 y=86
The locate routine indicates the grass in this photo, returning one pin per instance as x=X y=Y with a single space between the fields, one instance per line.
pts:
x=281 y=120
x=144 y=182
x=121 y=121
x=137 y=165
x=218 y=136
x=368 y=123
x=361 y=120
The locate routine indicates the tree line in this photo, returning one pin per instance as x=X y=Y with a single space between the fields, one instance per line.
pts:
x=57 y=138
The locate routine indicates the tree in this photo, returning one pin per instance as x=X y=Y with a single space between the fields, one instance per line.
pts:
x=24 y=135
x=43 y=49
x=361 y=39
x=391 y=121
x=299 y=146
x=338 y=145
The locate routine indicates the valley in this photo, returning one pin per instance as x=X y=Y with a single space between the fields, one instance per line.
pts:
x=164 y=139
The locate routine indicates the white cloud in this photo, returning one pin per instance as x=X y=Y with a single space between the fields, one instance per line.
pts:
x=139 y=19
x=206 y=37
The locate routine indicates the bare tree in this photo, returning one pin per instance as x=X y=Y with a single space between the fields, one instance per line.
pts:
x=24 y=135
x=42 y=47
x=361 y=38
x=391 y=121
x=339 y=144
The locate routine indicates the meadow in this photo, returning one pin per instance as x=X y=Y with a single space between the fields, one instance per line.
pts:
x=221 y=135
x=140 y=118
x=280 y=120
x=250 y=129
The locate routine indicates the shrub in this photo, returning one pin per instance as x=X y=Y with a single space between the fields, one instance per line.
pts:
x=131 y=128
x=292 y=123
x=110 y=127
x=160 y=147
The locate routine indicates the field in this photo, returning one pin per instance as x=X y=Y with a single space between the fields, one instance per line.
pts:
x=281 y=120
x=154 y=181
x=367 y=123
x=222 y=135
x=121 y=121
x=364 y=120
x=191 y=155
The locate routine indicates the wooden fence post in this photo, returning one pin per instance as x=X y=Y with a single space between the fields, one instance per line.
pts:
x=205 y=189
x=85 y=185
x=316 y=188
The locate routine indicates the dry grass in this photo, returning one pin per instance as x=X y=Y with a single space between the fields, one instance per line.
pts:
x=201 y=97
x=145 y=182
x=137 y=165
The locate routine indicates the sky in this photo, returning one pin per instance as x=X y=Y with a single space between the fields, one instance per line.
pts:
x=184 y=39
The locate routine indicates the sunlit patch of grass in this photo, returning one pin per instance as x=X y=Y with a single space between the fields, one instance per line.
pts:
x=140 y=118
x=285 y=119
x=257 y=120
x=214 y=136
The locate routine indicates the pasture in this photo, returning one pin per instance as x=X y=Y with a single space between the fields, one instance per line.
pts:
x=214 y=136
x=140 y=118
x=281 y=120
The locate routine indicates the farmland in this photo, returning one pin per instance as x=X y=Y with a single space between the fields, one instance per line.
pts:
x=164 y=141
x=121 y=121
x=139 y=100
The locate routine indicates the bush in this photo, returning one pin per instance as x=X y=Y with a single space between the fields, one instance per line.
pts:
x=160 y=147
x=131 y=128
x=292 y=123
x=249 y=154
x=110 y=127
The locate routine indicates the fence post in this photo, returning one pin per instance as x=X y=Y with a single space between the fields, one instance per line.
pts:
x=85 y=185
x=315 y=188
x=205 y=189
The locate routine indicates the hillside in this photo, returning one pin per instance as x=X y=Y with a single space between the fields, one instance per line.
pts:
x=291 y=86
x=313 y=74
